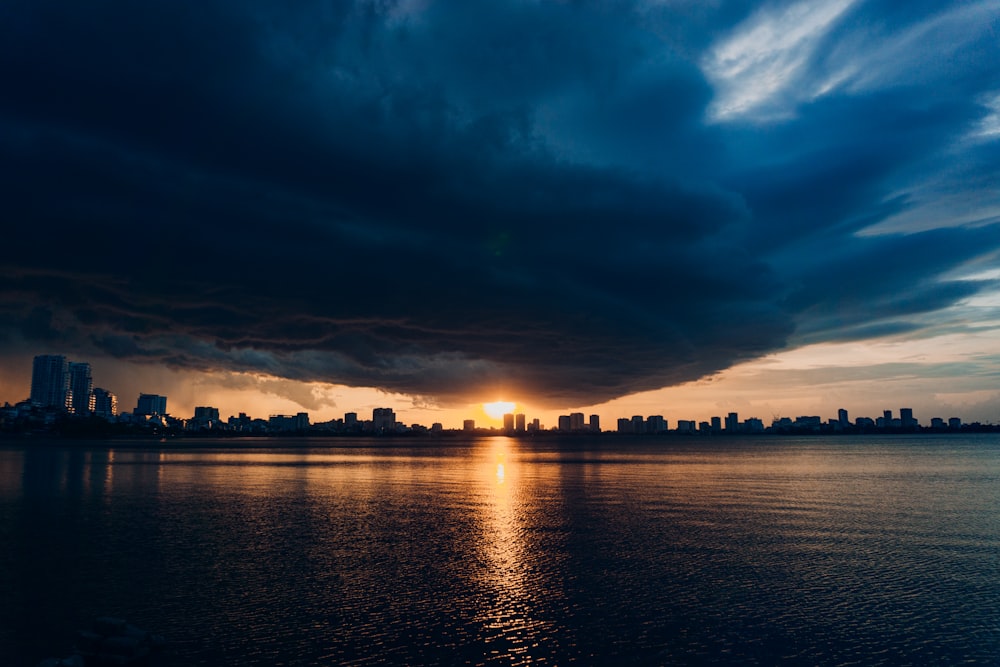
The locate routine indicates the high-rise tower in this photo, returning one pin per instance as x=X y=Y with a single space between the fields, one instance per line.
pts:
x=151 y=404
x=82 y=385
x=105 y=403
x=50 y=381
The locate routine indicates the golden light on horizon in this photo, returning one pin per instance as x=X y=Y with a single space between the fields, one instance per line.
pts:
x=497 y=409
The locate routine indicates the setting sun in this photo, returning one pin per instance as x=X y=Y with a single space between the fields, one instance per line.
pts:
x=498 y=409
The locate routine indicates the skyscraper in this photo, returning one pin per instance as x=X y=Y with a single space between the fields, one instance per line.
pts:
x=50 y=381
x=105 y=403
x=383 y=420
x=151 y=404
x=82 y=385
x=732 y=422
x=656 y=424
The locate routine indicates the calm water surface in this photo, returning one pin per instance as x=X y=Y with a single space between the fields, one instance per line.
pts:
x=877 y=551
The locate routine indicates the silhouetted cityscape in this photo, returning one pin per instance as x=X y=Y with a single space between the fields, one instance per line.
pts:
x=63 y=399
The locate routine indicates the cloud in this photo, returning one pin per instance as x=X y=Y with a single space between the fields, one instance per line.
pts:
x=785 y=55
x=763 y=59
x=444 y=201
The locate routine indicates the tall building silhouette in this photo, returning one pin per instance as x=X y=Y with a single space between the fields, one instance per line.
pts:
x=50 y=381
x=151 y=404
x=656 y=424
x=519 y=422
x=206 y=413
x=732 y=422
x=383 y=420
x=105 y=403
x=81 y=384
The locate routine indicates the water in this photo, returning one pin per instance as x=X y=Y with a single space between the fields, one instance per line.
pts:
x=839 y=551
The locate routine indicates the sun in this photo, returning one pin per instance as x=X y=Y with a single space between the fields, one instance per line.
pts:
x=497 y=409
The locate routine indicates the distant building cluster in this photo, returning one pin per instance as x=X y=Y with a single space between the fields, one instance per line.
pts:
x=731 y=424
x=62 y=390
x=67 y=386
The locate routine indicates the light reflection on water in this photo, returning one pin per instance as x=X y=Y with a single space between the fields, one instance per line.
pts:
x=500 y=551
x=509 y=616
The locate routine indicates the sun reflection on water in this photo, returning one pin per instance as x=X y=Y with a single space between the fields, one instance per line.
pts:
x=507 y=614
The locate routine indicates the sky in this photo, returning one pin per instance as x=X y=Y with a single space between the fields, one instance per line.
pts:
x=651 y=207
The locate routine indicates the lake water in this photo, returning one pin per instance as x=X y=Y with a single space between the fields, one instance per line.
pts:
x=819 y=551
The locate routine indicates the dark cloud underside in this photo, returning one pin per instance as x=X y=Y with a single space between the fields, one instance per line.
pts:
x=451 y=200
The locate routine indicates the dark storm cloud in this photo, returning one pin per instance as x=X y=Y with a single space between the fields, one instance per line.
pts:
x=442 y=200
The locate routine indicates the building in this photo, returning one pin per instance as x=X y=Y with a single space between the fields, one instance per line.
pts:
x=350 y=420
x=383 y=420
x=151 y=404
x=906 y=418
x=716 y=424
x=625 y=425
x=576 y=421
x=469 y=425
x=808 y=423
x=685 y=426
x=564 y=423
x=81 y=386
x=656 y=424
x=520 y=424
x=842 y=418
x=732 y=422
x=298 y=422
x=240 y=424
x=205 y=418
x=105 y=403
x=638 y=424
x=50 y=381
x=508 y=423
x=595 y=423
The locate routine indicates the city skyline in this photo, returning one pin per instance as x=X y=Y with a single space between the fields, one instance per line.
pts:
x=56 y=383
x=772 y=208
